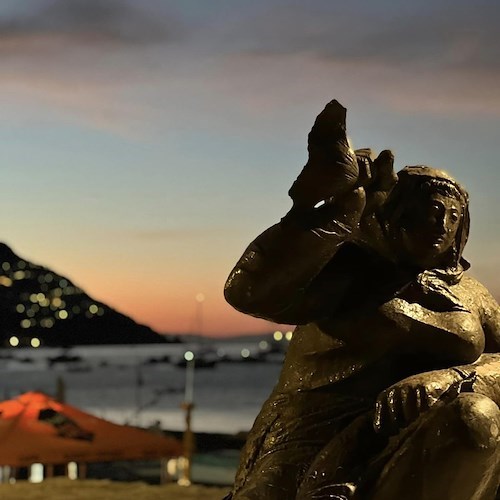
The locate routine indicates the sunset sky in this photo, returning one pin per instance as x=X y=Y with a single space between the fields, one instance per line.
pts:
x=145 y=143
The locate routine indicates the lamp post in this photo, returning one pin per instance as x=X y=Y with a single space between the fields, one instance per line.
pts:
x=188 y=440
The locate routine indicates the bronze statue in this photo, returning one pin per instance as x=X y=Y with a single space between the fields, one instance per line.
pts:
x=390 y=385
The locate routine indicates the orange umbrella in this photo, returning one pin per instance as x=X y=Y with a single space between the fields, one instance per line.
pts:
x=35 y=428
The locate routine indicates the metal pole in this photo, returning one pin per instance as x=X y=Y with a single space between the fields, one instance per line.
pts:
x=188 y=439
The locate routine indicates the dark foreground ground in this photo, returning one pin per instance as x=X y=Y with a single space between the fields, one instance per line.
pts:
x=91 y=489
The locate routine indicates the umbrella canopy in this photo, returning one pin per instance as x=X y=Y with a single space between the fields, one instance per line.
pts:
x=35 y=428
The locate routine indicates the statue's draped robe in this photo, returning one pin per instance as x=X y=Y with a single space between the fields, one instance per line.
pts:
x=334 y=369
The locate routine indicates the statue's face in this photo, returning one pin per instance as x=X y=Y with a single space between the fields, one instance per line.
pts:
x=429 y=229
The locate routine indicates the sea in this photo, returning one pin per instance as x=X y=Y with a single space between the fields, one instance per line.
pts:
x=144 y=385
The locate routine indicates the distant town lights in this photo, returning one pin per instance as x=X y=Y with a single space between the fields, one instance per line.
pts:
x=245 y=353
x=62 y=314
x=288 y=336
x=5 y=281
x=47 y=323
x=14 y=341
x=189 y=356
x=19 y=275
x=35 y=342
x=278 y=336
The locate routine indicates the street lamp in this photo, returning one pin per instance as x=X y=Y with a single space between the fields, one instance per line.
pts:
x=188 y=440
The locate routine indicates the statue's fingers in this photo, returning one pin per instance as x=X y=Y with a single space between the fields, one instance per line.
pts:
x=428 y=398
x=363 y=152
x=365 y=162
x=420 y=399
x=393 y=407
x=354 y=201
x=346 y=211
x=409 y=405
x=384 y=177
x=384 y=163
x=378 y=418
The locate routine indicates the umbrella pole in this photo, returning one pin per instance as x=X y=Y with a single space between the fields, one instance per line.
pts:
x=82 y=470
x=49 y=470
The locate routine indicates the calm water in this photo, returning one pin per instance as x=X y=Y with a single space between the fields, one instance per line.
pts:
x=118 y=383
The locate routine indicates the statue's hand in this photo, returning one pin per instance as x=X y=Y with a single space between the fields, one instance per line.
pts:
x=332 y=168
x=338 y=183
x=402 y=403
x=380 y=180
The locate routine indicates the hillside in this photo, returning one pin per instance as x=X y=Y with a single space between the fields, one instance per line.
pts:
x=38 y=305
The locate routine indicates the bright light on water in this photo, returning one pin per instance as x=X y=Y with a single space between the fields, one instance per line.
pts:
x=228 y=397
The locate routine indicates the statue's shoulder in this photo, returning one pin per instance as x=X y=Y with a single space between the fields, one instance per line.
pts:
x=473 y=285
x=477 y=294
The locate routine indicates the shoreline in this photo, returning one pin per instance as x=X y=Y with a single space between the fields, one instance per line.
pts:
x=213 y=441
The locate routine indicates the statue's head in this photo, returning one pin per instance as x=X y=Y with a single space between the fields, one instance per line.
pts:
x=427 y=218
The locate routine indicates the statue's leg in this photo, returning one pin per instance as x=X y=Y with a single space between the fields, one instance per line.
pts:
x=453 y=453
x=288 y=435
x=339 y=466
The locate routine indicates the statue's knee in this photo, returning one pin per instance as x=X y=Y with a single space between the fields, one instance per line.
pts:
x=479 y=417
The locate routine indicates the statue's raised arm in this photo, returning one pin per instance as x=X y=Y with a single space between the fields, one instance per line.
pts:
x=273 y=278
x=391 y=383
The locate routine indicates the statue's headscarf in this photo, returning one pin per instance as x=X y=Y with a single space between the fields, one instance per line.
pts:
x=411 y=181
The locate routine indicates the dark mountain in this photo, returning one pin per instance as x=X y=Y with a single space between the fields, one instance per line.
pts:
x=37 y=304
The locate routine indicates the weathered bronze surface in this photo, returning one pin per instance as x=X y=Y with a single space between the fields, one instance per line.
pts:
x=390 y=386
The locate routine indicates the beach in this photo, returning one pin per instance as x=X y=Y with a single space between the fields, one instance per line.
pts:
x=126 y=384
x=62 y=489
